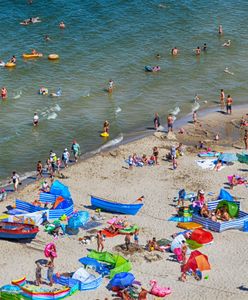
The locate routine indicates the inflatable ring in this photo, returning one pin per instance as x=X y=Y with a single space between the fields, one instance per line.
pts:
x=10 y=65
x=50 y=250
x=104 y=134
x=53 y=56
x=26 y=55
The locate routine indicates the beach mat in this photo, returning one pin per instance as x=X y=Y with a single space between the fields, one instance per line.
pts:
x=164 y=242
x=180 y=219
x=109 y=234
x=90 y=225
x=193 y=245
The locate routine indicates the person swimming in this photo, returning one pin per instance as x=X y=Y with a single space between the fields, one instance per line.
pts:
x=226 y=70
x=227 y=44
x=62 y=25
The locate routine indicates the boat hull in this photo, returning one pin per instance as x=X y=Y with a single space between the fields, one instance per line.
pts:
x=127 y=209
x=11 y=230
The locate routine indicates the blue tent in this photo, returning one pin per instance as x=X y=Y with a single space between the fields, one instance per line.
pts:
x=122 y=280
x=59 y=189
x=225 y=195
x=78 y=219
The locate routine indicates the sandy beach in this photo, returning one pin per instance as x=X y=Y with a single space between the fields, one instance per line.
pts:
x=108 y=176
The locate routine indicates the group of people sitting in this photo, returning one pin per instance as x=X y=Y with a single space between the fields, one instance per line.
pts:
x=144 y=160
x=219 y=214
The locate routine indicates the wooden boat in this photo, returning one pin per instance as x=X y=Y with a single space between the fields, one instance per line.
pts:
x=11 y=230
x=127 y=209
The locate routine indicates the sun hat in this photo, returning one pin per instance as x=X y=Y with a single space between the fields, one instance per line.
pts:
x=201 y=192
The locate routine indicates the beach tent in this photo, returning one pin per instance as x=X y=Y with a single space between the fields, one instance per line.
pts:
x=197 y=260
x=201 y=236
x=232 y=207
x=78 y=219
x=224 y=195
x=122 y=280
x=59 y=189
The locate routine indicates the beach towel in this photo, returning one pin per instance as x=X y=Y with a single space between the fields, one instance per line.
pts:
x=208 y=164
x=90 y=225
x=108 y=233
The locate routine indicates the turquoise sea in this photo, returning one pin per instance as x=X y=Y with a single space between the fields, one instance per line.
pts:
x=112 y=39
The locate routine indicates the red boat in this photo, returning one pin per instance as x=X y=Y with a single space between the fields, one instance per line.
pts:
x=11 y=230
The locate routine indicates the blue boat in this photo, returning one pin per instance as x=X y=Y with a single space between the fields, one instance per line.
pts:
x=11 y=230
x=127 y=209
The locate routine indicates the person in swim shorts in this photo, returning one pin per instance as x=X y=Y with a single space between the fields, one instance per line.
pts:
x=4 y=93
x=170 y=121
x=229 y=102
x=36 y=119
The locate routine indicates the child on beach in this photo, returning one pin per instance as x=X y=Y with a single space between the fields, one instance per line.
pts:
x=127 y=241
x=50 y=269
x=39 y=169
x=184 y=249
x=65 y=157
x=155 y=154
x=136 y=237
x=38 y=280
x=174 y=163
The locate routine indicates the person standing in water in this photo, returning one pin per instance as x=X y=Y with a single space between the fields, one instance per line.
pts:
x=198 y=51
x=110 y=86
x=170 y=121
x=75 y=148
x=156 y=121
x=62 y=25
x=229 y=102
x=36 y=120
x=106 y=126
x=222 y=99
x=220 y=30
x=174 y=51
x=4 y=93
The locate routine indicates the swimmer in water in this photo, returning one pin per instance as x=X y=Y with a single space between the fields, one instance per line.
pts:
x=158 y=56
x=110 y=86
x=35 y=120
x=13 y=59
x=62 y=25
x=227 y=44
x=4 y=93
x=228 y=72
x=196 y=98
x=174 y=51
x=198 y=51
x=220 y=30
x=47 y=38
x=106 y=126
x=204 y=48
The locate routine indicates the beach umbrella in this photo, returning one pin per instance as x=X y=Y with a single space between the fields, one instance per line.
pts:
x=122 y=280
x=197 y=260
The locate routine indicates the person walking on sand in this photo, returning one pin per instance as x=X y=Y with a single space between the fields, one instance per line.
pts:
x=222 y=99
x=155 y=154
x=229 y=102
x=4 y=93
x=15 y=180
x=170 y=121
x=246 y=139
x=100 y=245
x=38 y=280
x=194 y=117
x=65 y=157
x=50 y=270
x=136 y=237
x=75 y=148
x=39 y=169
x=156 y=121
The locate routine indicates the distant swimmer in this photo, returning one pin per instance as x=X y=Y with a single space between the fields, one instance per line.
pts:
x=31 y=21
x=204 y=47
x=4 y=93
x=158 y=56
x=227 y=44
x=62 y=25
x=47 y=38
x=110 y=86
x=57 y=94
x=2 y=63
x=13 y=59
x=196 y=98
x=34 y=51
x=220 y=30
x=197 y=51
x=174 y=51
x=226 y=70
x=35 y=119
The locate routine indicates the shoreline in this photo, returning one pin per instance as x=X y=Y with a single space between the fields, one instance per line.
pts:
x=120 y=140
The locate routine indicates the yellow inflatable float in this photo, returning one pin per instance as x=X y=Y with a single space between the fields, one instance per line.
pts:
x=10 y=65
x=53 y=56
x=30 y=55
x=104 y=134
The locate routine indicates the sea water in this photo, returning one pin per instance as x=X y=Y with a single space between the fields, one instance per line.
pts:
x=112 y=39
